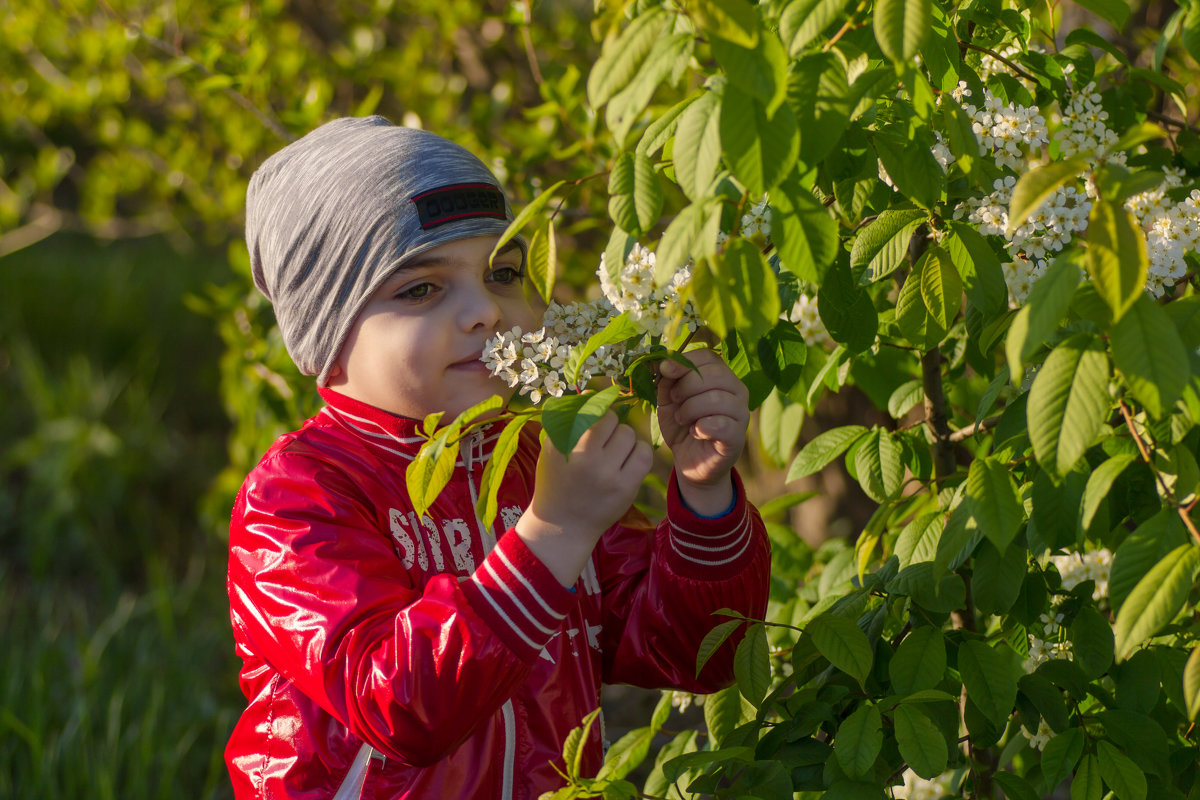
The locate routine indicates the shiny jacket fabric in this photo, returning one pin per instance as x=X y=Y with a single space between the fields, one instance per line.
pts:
x=449 y=648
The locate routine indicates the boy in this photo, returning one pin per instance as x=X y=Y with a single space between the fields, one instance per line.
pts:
x=458 y=657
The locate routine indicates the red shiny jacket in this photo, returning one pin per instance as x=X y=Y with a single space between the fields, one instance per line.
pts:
x=447 y=647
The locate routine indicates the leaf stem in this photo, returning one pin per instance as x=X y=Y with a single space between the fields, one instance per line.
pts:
x=1184 y=516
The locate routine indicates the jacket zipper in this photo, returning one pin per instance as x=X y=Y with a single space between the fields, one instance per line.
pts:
x=474 y=454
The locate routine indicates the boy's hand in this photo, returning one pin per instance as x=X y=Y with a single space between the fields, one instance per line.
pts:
x=575 y=500
x=703 y=418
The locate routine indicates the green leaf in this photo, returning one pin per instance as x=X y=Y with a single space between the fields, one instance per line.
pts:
x=1149 y=354
x=1047 y=305
x=1191 y=684
x=847 y=310
x=858 y=741
x=1116 y=256
x=992 y=501
x=1156 y=599
x=996 y=579
x=921 y=744
x=692 y=235
x=941 y=287
x=1047 y=699
x=1060 y=755
x=627 y=754
x=804 y=232
x=919 y=662
x=1190 y=34
x=879 y=466
x=804 y=20
x=622 y=57
x=779 y=422
x=901 y=27
x=737 y=292
x=527 y=213
x=1092 y=642
x=664 y=127
x=990 y=675
x=617 y=329
x=1015 y=787
x=1086 y=783
x=722 y=713
x=759 y=147
x=1114 y=11
x=567 y=418
x=681 y=764
x=824 y=448
x=977 y=263
x=627 y=106
x=1068 y=403
x=542 y=260
x=486 y=506
x=882 y=246
x=430 y=471
x=635 y=194
x=751 y=665
x=911 y=165
x=712 y=641
x=918 y=540
x=1148 y=544
x=1037 y=185
x=843 y=643
x=1099 y=483
x=1124 y=777
x=572 y=746
x=759 y=71
x=732 y=20
x=912 y=315
x=904 y=397
x=697 y=151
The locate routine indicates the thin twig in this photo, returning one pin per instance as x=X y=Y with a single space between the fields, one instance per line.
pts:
x=530 y=54
x=962 y=434
x=1020 y=72
x=1184 y=516
x=1164 y=119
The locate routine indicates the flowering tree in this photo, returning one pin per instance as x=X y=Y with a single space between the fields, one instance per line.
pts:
x=989 y=226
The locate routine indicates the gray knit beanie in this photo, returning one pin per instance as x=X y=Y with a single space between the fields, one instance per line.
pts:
x=332 y=215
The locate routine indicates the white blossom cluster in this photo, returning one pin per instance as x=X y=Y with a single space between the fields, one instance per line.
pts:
x=536 y=361
x=1038 y=740
x=1051 y=645
x=1009 y=131
x=1171 y=230
x=807 y=319
x=636 y=292
x=917 y=788
x=1094 y=565
x=757 y=221
x=1084 y=130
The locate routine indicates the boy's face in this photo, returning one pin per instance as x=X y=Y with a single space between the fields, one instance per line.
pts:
x=415 y=346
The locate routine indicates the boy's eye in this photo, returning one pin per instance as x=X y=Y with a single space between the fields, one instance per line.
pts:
x=418 y=292
x=507 y=275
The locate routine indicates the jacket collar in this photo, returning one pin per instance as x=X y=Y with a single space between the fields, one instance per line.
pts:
x=392 y=433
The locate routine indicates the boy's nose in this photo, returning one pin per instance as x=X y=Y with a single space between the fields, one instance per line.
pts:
x=480 y=310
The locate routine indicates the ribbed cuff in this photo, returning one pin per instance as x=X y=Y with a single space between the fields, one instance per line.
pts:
x=518 y=597
x=708 y=548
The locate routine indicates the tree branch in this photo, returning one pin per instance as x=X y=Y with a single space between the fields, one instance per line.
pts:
x=962 y=434
x=1020 y=72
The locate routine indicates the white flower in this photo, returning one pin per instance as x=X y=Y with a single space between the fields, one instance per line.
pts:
x=807 y=319
x=1039 y=739
x=554 y=385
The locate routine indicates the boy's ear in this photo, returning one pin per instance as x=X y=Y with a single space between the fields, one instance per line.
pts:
x=334 y=372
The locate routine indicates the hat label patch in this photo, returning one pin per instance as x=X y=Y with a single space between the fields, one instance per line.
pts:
x=458 y=201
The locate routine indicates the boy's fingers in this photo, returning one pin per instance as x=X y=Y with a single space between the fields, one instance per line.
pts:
x=600 y=432
x=639 y=460
x=713 y=402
